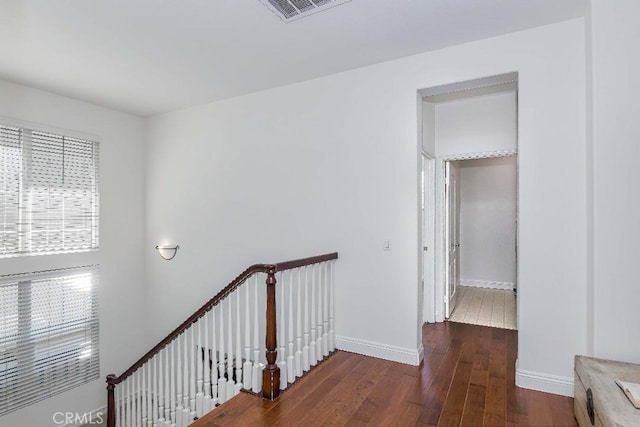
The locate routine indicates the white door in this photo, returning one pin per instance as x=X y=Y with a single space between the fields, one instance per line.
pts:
x=452 y=197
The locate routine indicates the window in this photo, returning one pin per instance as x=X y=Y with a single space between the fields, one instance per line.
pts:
x=48 y=334
x=48 y=192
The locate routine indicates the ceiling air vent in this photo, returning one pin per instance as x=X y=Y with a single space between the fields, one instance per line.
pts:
x=290 y=10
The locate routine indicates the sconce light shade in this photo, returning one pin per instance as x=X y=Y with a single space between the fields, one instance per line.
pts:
x=168 y=251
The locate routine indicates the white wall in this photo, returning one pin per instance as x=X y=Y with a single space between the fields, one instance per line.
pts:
x=331 y=164
x=488 y=220
x=478 y=124
x=121 y=238
x=614 y=155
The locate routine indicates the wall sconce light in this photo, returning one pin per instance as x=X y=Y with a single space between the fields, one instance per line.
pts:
x=168 y=251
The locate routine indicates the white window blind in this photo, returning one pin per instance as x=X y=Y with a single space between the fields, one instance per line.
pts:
x=49 y=200
x=49 y=334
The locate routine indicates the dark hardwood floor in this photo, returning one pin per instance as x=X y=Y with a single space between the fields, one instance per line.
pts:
x=467 y=379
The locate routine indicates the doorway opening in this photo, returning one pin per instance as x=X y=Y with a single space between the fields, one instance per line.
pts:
x=469 y=204
x=480 y=222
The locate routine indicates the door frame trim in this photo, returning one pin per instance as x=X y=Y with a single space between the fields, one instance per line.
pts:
x=429 y=220
x=440 y=281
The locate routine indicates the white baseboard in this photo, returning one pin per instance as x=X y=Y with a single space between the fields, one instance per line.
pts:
x=544 y=382
x=381 y=351
x=491 y=284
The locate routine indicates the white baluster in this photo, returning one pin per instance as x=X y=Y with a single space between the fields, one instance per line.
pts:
x=132 y=397
x=205 y=363
x=247 y=368
x=319 y=343
x=132 y=381
x=257 y=369
x=230 y=382
x=167 y=398
x=186 y=410
x=123 y=403
x=305 y=350
x=192 y=373
x=332 y=337
x=281 y=330
x=214 y=360
x=172 y=391
x=118 y=404
x=132 y=400
x=135 y=408
x=325 y=311
x=298 y=355
x=118 y=396
x=222 y=382
x=149 y=394
x=143 y=396
x=126 y=411
x=199 y=369
x=142 y=391
x=291 y=369
x=312 y=346
x=160 y=391
x=179 y=409
x=162 y=362
x=156 y=391
x=160 y=388
x=138 y=395
x=238 y=345
x=125 y=397
x=129 y=402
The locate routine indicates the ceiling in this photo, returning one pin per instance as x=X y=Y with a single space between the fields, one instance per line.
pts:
x=151 y=56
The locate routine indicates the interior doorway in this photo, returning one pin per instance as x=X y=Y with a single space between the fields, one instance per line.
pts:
x=481 y=224
x=463 y=123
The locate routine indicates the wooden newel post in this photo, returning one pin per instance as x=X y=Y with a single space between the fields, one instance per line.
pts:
x=271 y=373
x=111 y=401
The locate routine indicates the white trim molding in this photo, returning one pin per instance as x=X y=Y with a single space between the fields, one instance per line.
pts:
x=479 y=155
x=491 y=284
x=381 y=351
x=547 y=383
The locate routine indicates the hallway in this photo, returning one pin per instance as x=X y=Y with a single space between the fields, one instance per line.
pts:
x=467 y=378
x=485 y=307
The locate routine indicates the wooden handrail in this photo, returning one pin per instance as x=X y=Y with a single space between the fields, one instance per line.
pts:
x=270 y=269
x=288 y=265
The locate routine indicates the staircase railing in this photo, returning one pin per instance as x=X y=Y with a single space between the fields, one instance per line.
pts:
x=200 y=364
